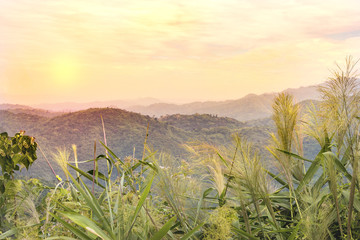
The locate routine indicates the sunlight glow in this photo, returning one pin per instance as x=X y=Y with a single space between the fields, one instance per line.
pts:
x=64 y=71
x=200 y=50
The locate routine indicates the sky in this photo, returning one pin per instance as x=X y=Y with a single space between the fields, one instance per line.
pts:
x=87 y=50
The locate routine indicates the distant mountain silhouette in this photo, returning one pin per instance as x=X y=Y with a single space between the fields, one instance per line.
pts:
x=16 y=108
x=74 y=106
x=7 y=106
x=250 y=107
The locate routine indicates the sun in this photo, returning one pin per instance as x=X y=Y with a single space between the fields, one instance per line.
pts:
x=65 y=71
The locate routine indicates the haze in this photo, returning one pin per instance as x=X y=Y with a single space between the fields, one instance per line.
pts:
x=57 y=51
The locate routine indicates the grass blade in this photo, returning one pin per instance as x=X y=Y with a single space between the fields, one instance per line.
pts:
x=88 y=176
x=140 y=203
x=294 y=155
x=243 y=233
x=189 y=234
x=79 y=233
x=86 y=223
x=92 y=203
x=164 y=230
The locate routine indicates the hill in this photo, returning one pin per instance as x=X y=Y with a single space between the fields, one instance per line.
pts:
x=198 y=122
x=16 y=108
x=126 y=131
x=6 y=106
x=76 y=106
x=14 y=122
x=247 y=108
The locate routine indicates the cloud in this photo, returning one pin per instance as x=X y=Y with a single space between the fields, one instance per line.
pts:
x=215 y=42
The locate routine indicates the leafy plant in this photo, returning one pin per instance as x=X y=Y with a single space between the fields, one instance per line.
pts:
x=16 y=152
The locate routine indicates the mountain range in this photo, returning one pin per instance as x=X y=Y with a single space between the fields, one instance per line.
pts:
x=125 y=132
x=246 y=108
x=75 y=106
x=214 y=123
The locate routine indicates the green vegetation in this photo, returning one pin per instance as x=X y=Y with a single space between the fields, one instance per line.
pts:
x=224 y=192
x=125 y=133
x=16 y=152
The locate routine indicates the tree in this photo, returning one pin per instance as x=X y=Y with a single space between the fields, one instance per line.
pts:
x=16 y=153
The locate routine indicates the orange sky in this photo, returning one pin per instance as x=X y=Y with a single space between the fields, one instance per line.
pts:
x=85 y=50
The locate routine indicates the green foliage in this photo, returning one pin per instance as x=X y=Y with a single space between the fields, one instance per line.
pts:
x=16 y=198
x=126 y=132
x=22 y=205
x=16 y=152
x=220 y=222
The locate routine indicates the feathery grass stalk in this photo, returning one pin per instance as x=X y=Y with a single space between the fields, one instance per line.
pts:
x=332 y=172
x=52 y=169
x=231 y=169
x=352 y=195
x=249 y=165
x=103 y=128
x=76 y=160
x=341 y=103
x=245 y=216
x=48 y=202
x=94 y=169
x=62 y=159
x=146 y=136
x=285 y=117
x=354 y=164
x=132 y=185
x=143 y=155
x=106 y=152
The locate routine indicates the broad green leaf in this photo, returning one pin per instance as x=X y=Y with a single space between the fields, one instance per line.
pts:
x=310 y=173
x=58 y=237
x=319 y=184
x=88 y=176
x=86 y=223
x=277 y=178
x=206 y=192
x=222 y=159
x=150 y=164
x=339 y=165
x=294 y=232
x=164 y=230
x=111 y=220
x=100 y=175
x=294 y=155
x=79 y=233
x=92 y=203
x=346 y=194
x=141 y=202
x=189 y=234
x=112 y=153
x=9 y=233
x=243 y=233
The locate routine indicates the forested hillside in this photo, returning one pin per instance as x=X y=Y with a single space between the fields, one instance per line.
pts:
x=125 y=133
